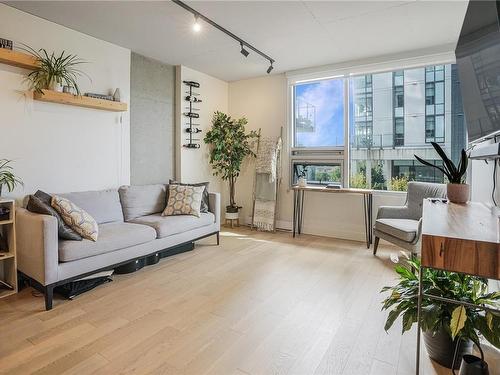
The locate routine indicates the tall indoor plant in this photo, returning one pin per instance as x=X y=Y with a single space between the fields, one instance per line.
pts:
x=444 y=323
x=229 y=145
x=7 y=176
x=54 y=71
x=458 y=190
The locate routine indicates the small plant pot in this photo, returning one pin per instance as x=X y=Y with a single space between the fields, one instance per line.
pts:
x=441 y=348
x=458 y=193
x=302 y=182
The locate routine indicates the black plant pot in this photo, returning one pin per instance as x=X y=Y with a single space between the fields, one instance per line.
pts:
x=441 y=348
x=232 y=210
x=472 y=365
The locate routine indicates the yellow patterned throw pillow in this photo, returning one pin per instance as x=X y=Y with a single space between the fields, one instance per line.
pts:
x=183 y=200
x=77 y=218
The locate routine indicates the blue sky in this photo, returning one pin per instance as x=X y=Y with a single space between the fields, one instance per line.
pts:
x=327 y=98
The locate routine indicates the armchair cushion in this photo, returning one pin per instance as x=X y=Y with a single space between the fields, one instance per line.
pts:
x=403 y=229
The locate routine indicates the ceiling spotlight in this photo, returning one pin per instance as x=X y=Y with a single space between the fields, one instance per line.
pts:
x=196 y=24
x=243 y=51
x=270 y=68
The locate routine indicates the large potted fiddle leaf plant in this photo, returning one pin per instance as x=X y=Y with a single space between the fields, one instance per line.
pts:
x=458 y=191
x=443 y=324
x=229 y=145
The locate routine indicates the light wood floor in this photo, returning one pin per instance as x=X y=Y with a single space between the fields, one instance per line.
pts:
x=257 y=304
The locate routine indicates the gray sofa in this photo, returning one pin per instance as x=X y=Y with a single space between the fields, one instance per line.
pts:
x=130 y=228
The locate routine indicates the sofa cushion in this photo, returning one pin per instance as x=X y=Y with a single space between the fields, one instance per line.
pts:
x=103 y=205
x=205 y=201
x=403 y=229
x=41 y=203
x=168 y=225
x=184 y=200
x=76 y=217
x=112 y=237
x=142 y=200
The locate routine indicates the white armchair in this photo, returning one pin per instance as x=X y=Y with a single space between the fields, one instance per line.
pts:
x=402 y=225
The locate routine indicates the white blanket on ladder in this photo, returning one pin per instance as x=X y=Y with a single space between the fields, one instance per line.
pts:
x=264 y=215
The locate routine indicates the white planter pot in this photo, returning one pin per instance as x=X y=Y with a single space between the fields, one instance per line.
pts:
x=458 y=193
x=232 y=215
x=302 y=182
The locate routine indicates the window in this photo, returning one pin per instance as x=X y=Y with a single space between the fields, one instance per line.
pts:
x=361 y=87
x=319 y=114
x=434 y=104
x=389 y=117
x=318 y=173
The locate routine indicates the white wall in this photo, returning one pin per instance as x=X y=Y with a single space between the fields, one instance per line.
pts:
x=61 y=148
x=192 y=164
x=263 y=101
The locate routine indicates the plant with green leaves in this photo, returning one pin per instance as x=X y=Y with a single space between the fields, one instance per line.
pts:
x=466 y=322
x=61 y=69
x=229 y=145
x=399 y=183
x=454 y=173
x=7 y=176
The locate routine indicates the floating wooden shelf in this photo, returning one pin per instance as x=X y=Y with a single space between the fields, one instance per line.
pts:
x=79 y=101
x=19 y=59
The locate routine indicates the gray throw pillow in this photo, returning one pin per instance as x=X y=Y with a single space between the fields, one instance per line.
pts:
x=40 y=204
x=204 y=199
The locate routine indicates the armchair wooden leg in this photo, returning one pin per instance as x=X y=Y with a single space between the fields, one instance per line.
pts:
x=375 y=245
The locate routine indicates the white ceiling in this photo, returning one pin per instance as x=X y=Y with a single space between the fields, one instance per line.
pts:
x=297 y=34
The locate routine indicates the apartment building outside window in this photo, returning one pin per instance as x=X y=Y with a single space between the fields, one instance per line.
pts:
x=399 y=102
x=389 y=117
x=435 y=104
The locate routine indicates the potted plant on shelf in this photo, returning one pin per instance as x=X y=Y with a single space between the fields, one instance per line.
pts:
x=54 y=71
x=442 y=323
x=229 y=146
x=7 y=176
x=457 y=190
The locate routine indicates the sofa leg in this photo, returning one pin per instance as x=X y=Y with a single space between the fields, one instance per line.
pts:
x=218 y=239
x=375 y=245
x=49 y=295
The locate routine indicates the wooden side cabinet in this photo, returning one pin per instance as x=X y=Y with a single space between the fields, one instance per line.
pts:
x=8 y=263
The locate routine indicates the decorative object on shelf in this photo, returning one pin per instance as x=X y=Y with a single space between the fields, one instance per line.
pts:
x=229 y=145
x=54 y=71
x=7 y=176
x=117 y=95
x=457 y=190
x=99 y=96
x=4 y=214
x=68 y=90
x=6 y=43
x=191 y=98
x=444 y=325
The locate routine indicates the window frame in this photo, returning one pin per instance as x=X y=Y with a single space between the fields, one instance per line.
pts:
x=347 y=71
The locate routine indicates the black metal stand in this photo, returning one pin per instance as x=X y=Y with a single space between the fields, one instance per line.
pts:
x=298 y=213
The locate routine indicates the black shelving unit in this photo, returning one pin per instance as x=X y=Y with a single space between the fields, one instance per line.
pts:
x=192 y=114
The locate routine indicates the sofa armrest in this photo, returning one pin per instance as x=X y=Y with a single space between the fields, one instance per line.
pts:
x=214 y=206
x=37 y=246
x=393 y=212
